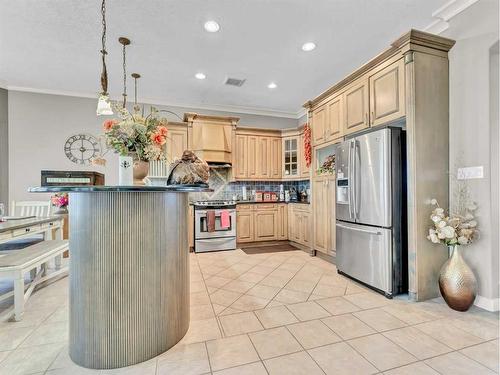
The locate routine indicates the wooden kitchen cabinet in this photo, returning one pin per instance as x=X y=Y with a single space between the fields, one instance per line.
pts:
x=299 y=223
x=266 y=222
x=324 y=214
x=261 y=222
x=275 y=158
x=177 y=141
x=335 y=118
x=387 y=94
x=291 y=161
x=282 y=222
x=241 y=158
x=356 y=107
x=251 y=156
x=319 y=121
x=244 y=223
x=263 y=159
x=304 y=169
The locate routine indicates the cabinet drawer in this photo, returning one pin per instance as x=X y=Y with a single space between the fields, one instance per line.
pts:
x=52 y=224
x=244 y=207
x=266 y=206
x=20 y=232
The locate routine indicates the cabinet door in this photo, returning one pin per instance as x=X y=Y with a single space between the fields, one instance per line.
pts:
x=387 y=94
x=275 y=158
x=241 y=160
x=252 y=157
x=330 y=192
x=262 y=157
x=291 y=157
x=266 y=225
x=176 y=143
x=320 y=216
x=244 y=226
x=304 y=169
x=282 y=222
x=356 y=107
x=335 y=128
x=305 y=223
x=319 y=124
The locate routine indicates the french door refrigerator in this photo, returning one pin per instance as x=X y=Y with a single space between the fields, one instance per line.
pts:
x=371 y=241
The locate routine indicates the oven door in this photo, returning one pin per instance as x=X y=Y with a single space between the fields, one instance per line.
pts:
x=201 y=227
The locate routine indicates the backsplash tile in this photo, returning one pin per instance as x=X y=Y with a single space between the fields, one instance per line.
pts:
x=223 y=189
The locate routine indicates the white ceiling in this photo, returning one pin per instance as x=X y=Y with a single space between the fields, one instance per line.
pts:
x=53 y=46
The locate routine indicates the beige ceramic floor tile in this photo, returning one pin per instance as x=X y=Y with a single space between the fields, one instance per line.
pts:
x=202 y=330
x=218 y=308
x=272 y=317
x=312 y=334
x=262 y=270
x=251 y=277
x=329 y=290
x=409 y=313
x=263 y=291
x=200 y=298
x=381 y=352
x=368 y=300
x=442 y=330
x=293 y=364
x=487 y=354
x=333 y=280
x=337 y=305
x=256 y=368
x=30 y=360
x=238 y=286
x=308 y=311
x=353 y=288
x=48 y=334
x=291 y=296
x=224 y=297
x=237 y=324
x=216 y=281
x=457 y=364
x=249 y=303
x=31 y=318
x=379 y=319
x=197 y=286
x=477 y=327
x=304 y=286
x=417 y=343
x=143 y=368
x=229 y=311
x=274 y=342
x=4 y=355
x=201 y=312
x=13 y=337
x=417 y=368
x=275 y=281
x=184 y=360
x=348 y=326
x=341 y=359
x=231 y=352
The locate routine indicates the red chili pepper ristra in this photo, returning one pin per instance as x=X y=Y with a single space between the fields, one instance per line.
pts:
x=307 y=144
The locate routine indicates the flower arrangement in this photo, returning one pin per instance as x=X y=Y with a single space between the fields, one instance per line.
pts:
x=135 y=134
x=457 y=229
x=59 y=200
x=328 y=166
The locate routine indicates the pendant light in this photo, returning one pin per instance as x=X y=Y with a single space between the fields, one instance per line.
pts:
x=104 y=105
x=125 y=42
x=136 y=76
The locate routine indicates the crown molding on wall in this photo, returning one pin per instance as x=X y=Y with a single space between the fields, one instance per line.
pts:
x=153 y=101
x=447 y=12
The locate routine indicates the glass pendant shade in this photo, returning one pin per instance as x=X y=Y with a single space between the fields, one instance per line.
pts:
x=104 y=106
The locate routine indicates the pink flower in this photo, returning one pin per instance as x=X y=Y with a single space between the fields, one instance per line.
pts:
x=162 y=130
x=158 y=139
x=108 y=124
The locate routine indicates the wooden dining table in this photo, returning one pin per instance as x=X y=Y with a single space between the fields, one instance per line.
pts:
x=50 y=227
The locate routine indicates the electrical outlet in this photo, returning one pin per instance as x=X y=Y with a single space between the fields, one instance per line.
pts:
x=470 y=173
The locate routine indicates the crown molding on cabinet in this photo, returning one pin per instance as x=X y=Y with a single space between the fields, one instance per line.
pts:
x=447 y=12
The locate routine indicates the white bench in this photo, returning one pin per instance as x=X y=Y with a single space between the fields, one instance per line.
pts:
x=17 y=263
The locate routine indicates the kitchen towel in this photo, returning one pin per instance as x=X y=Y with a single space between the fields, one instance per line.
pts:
x=224 y=219
x=210 y=220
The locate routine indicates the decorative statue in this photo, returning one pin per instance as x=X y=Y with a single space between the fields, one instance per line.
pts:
x=190 y=169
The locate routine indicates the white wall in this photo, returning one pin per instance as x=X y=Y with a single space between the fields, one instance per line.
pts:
x=474 y=132
x=39 y=125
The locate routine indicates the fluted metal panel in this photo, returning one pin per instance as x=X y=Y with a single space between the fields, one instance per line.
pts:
x=129 y=276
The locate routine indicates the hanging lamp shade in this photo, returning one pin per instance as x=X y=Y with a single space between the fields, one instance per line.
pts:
x=104 y=105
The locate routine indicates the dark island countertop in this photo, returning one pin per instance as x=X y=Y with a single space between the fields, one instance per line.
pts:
x=135 y=188
x=264 y=202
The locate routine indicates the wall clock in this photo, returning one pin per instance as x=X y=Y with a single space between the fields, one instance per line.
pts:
x=82 y=148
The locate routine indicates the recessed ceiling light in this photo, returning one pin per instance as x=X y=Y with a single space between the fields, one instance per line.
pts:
x=200 y=76
x=272 y=85
x=211 y=26
x=309 y=46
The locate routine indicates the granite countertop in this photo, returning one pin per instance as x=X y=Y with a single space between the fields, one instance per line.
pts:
x=136 y=188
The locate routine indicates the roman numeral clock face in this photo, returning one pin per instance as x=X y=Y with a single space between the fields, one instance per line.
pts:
x=82 y=148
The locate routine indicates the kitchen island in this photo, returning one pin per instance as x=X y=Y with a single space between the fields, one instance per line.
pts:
x=129 y=272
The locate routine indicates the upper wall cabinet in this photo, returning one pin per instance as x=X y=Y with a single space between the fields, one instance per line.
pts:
x=319 y=120
x=291 y=157
x=335 y=123
x=356 y=107
x=241 y=159
x=387 y=94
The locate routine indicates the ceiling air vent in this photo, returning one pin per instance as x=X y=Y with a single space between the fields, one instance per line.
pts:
x=234 y=82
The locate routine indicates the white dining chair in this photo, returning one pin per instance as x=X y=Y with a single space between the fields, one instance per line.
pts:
x=30 y=208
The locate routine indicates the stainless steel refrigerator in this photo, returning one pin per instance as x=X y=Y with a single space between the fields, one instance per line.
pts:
x=371 y=241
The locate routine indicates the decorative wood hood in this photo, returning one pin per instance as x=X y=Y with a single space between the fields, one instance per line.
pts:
x=211 y=137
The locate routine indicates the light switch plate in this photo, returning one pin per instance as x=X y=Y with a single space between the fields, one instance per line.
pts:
x=470 y=173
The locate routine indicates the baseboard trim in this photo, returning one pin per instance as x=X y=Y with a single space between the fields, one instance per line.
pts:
x=490 y=304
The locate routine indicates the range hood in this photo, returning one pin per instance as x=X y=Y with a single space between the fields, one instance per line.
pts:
x=211 y=138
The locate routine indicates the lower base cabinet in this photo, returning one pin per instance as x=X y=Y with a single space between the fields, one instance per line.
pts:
x=261 y=222
x=299 y=223
x=324 y=214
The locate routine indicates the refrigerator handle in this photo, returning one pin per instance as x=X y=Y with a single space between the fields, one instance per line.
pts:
x=378 y=233
x=354 y=179
x=349 y=177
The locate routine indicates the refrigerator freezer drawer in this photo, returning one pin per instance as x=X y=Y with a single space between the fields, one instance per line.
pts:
x=364 y=253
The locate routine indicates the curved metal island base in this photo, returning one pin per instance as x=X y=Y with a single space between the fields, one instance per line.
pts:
x=129 y=273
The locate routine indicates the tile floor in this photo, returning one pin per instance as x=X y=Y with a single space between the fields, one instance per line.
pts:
x=275 y=313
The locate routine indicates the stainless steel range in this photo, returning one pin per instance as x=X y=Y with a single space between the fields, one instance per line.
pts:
x=221 y=233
